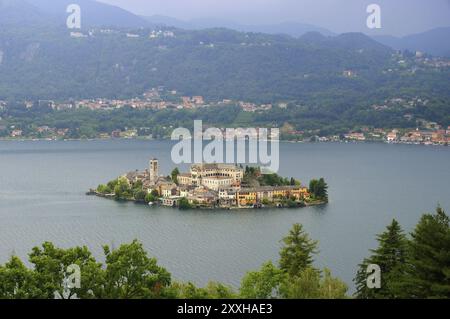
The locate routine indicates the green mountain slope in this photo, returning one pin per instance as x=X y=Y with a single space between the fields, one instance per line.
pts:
x=324 y=78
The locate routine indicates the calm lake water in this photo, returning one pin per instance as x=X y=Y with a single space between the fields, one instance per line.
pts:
x=43 y=185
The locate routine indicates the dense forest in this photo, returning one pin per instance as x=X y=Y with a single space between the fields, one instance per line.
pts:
x=46 y=63
x=330 y=84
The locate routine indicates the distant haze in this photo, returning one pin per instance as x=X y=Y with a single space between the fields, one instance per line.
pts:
x=399 y=17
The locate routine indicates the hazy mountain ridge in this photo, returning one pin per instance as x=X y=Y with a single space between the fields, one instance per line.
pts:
x=22 y=13
x=94 y=14
x=435 y=42
x=216 y=63
x=294 y=29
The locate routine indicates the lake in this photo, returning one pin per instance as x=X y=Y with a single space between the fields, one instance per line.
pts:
x=43 y=186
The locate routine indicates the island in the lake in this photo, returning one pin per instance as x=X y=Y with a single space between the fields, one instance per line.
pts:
x=221 y=186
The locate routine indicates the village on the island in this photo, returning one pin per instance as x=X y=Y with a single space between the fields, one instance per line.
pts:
x=223 y=186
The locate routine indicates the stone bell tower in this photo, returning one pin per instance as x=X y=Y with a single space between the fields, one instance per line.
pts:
x=154 y=170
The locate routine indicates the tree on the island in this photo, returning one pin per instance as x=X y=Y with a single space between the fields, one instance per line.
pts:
x=297 y=251
x=131 y=274
x=174 y=175
x=123 y=190
x=274 y=180
x=428 y=271
x=391 y=257
x=184 y=204
x=150 y=198
x=112 y=184
x=138 y=185
x=104 y=189
x=139 y=195
x=319 y=189
x=155 y=193
x=262 y=284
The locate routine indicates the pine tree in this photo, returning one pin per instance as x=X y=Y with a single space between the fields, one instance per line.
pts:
x=429 y=263
x=390 y=256
x=297 y=253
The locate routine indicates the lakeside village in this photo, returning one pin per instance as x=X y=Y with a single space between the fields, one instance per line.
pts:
x=426 y=133
x=213 y=186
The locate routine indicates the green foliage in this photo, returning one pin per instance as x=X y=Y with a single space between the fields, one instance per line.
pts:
x=174 y=175
x=310 y=284
x=411 y=268
x=123 y=190
x=104 y=189
x=131 y=274
x=295 y=278
x=150 y=198
x=319 y=189
x=305 y=73
x=297 y=252
x=428 y=274
x=254 y=178
x=416 y=267
x=391 y=256
x=213 y=290
x=273 y=180
x=49 y=269
x=16 y=281
x=128 y=273
x=140 y=195
x=184 y=204
x=262 y=284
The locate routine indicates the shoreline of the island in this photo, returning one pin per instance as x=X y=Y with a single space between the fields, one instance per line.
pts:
x=143 y=203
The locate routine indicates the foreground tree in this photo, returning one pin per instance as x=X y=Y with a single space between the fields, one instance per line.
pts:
x=262 y=284
x=51 y=268
x=298 y=250
x=17 y=281
x=296 y=278
x=131 y=274
x=128 y=273
x=213 y=290
x=428 y=272
x=312 y=284
x=391 y=257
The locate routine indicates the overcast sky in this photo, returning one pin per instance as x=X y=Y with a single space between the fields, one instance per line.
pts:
x=399 y=17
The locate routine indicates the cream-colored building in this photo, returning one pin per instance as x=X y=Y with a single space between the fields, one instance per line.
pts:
x=216 y=183
x=212 y=176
